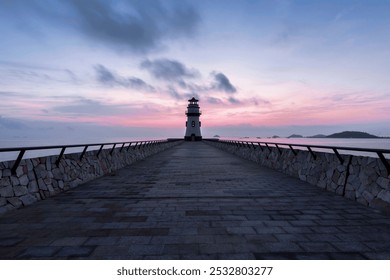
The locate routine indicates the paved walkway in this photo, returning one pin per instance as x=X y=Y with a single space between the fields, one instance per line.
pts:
x=195 y=202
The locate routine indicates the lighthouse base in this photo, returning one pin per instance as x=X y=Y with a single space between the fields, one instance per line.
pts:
x=193 y=138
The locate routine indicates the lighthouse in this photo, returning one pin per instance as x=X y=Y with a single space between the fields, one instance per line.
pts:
x=193 y=123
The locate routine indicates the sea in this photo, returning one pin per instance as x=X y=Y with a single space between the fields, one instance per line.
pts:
x=375 y=143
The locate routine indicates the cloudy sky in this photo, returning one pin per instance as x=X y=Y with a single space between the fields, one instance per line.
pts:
x=259 y=68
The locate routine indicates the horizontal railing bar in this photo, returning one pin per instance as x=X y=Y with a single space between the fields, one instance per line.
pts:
x=34 y=148
x=371 y=150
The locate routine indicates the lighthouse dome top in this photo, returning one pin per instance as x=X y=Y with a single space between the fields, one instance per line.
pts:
x=193 y=99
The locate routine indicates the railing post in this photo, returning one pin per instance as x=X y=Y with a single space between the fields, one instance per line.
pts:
x=294 y=152
x=280 y=152
x=82 y=154
x=60 y=156
x=100 y=150
x=122 y=147
x=384 y=161
x=112 y=150
x=338 y=155
x=311 y=152
x=17 y=162
x=261 y=147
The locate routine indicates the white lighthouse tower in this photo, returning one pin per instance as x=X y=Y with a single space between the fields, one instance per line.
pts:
x=193 y=123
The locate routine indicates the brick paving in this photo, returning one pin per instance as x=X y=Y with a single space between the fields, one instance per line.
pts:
x=195 y=202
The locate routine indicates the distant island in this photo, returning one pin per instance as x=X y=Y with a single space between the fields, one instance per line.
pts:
x=344 y=134
x=351 y=134
x=317 y=136
x=295 y=136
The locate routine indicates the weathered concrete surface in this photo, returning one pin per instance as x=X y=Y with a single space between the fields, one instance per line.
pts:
x=39 y=178
x=195 y=202
x=359 y=178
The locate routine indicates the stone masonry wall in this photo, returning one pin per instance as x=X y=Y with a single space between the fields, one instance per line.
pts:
x=359 y=178
x=39 y=178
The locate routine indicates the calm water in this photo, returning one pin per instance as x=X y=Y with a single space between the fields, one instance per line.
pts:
x=353 y=143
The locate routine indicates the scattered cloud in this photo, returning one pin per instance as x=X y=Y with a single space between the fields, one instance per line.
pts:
x=104 y=75
x=88 y=107
x=72 y=76
x=137 y=26
x=234 y=100
x=213 y=100
x=222 y=83
x=137 y=83
x=260 y=101
x=174 y=71
x=169 y=70
x=107 y=77
x=174 y=93
x=10 y=94
x=38 y=74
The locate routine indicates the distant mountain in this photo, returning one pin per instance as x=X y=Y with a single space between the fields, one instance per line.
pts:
x=318 y=136
x=351 y=134
x=295 y=136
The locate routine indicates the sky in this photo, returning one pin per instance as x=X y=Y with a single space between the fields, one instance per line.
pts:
x=93 y=68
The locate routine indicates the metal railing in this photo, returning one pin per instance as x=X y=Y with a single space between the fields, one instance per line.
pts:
x=123 y=146
x=335 y=149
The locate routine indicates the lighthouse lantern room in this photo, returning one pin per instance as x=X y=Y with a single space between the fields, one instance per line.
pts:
x=193 y=123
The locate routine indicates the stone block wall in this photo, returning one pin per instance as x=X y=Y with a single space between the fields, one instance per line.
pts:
x=39 y=178
x=359 y=178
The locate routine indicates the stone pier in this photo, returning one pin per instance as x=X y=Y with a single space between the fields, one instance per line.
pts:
x=194 y=201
